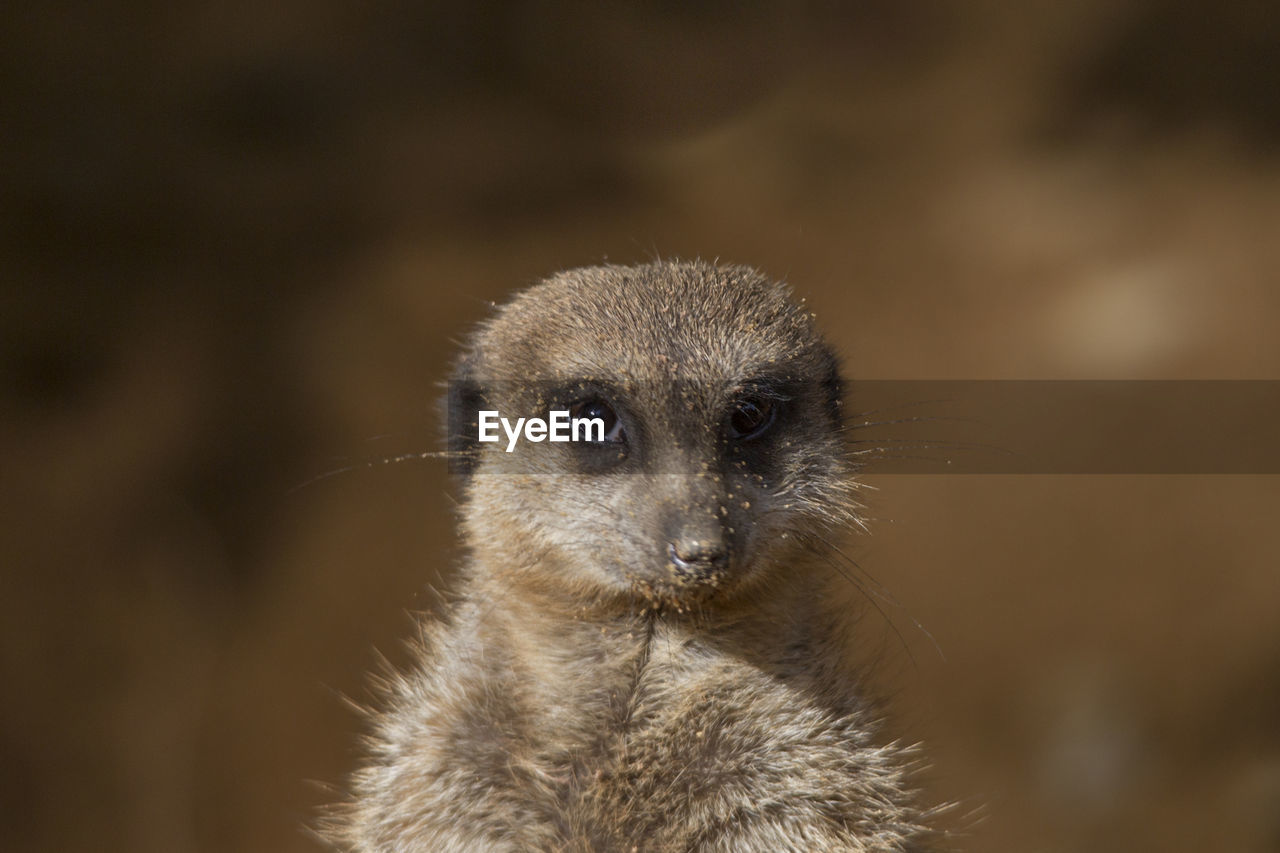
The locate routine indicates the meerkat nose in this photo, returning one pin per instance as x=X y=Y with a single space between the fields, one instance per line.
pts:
x=697 y=555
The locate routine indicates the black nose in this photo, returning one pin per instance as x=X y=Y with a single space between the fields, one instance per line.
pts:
x=697 y=557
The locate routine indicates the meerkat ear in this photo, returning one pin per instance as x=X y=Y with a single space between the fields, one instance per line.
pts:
x=463 y=402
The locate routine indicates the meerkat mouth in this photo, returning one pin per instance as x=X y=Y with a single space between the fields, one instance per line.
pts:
x=681 y=582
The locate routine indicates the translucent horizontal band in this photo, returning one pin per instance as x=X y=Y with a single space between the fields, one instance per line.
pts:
x=1010 y=426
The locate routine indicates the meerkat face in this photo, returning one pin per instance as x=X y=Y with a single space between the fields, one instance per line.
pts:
x=717 y=458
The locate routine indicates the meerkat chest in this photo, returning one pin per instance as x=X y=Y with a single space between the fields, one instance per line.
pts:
x=596 y=741
x=688 y=746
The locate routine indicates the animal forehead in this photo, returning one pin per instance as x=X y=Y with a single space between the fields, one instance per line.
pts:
x=660 y=320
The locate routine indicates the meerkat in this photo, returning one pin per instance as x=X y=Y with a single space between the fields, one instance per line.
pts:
x=650 y=648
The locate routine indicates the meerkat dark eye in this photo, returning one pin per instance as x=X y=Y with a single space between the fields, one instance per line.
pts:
x=750 y=418
x=594 y=408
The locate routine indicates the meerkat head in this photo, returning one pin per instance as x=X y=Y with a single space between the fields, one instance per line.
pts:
x=718 y=454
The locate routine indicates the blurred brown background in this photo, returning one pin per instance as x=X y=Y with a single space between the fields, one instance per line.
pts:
x=238 y=241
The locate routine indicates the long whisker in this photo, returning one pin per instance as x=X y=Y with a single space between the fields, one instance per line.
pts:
x=876 y=589
x=870 y=598
x=375 y=463
x=905 y=405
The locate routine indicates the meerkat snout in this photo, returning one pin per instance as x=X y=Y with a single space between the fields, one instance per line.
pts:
x=698 y=555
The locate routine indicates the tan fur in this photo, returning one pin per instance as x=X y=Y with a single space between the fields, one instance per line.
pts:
x=584 y=693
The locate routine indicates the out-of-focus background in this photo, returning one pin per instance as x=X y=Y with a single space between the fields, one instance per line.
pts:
x=238 y=243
